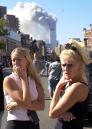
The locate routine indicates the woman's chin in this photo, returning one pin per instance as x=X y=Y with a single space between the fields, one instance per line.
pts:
x=67 y=77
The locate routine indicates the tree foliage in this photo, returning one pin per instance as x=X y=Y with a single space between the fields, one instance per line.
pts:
x=2 y=44
x=3 y=30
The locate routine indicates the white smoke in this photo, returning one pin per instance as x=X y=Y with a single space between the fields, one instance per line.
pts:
x=34 y=20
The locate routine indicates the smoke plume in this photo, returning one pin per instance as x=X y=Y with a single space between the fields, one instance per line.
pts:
x=34 y=20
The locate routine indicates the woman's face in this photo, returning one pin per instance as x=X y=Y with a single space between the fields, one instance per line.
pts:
x=19 y=61
x=70 y=67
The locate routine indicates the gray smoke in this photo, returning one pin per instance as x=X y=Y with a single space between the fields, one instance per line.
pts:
x=34 y=20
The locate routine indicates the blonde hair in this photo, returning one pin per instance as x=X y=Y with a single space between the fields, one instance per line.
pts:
x=79 y=53
x=31 y=70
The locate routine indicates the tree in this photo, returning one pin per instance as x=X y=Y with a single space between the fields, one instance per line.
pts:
x=2 y=44
x=3 y=32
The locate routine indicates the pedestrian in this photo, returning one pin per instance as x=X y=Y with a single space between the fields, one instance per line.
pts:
x=36 y=62
x=47 y=67
x=1 y=96
x=24 y=93
x=54 y=75
x=70 y=100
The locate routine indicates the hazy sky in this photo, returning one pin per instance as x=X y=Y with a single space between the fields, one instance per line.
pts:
x=72 y=15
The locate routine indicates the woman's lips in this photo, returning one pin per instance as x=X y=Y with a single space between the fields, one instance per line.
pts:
x=67 y=74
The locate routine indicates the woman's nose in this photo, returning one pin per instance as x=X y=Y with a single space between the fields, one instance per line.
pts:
x=16 y=62
x=67 y=67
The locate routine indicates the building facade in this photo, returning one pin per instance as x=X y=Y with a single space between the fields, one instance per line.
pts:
x=88 y=37
x=3 y=11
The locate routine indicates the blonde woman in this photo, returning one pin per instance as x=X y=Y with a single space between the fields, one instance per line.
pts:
x=23 y=91
x=70 y=101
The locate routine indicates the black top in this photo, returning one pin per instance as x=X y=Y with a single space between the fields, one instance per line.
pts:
x=1 y=91
x=79 y=110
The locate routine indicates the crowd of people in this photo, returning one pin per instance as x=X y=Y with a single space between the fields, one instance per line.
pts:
x=67 y=83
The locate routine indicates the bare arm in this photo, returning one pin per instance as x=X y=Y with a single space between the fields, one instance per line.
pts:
x=19 y=95
x=75 y=93
x=15 y=92
x=38 y=104
x=22 y=96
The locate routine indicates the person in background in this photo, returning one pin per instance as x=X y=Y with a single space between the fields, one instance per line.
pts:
x=44 y=71
x=47 y=67
x=54 y=75
x=70 y=100
x=36 y=62
x=1 y=96
x=23 y=92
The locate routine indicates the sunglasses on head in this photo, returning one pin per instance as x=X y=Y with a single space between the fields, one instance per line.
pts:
x=70 y=46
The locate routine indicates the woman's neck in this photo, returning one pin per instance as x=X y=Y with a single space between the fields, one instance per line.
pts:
x=78 y=79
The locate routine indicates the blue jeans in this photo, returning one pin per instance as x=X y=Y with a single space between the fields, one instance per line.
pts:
x=52 y=85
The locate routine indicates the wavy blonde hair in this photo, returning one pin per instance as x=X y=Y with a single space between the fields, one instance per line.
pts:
x=75 y=50
x=31 y=70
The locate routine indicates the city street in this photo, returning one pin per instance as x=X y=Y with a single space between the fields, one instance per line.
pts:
x=45 y=121
x=46 y=31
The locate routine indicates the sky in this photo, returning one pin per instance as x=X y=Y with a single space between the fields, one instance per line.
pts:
x=72 y=15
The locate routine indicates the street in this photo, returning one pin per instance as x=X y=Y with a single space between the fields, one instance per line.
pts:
x=45 y=121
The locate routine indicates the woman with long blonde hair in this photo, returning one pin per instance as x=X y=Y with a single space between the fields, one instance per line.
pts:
x=23 y=92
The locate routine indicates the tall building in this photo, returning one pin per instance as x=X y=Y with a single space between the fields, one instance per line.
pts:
x=12 y=40
x=52 y=34
x=13 y=22
x=3 y=11
x=25 y=40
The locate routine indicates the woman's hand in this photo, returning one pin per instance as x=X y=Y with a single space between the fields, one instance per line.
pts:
x=21 y=72
x=11 y=106
x=67 y=116
x=53 y=112
x=62 y=82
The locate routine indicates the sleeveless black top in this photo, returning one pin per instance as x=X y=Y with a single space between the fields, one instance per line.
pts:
x=79 y=110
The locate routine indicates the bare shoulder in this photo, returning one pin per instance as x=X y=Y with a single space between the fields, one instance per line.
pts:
x=7 y=79
x=81 y=89
x=8 y=82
